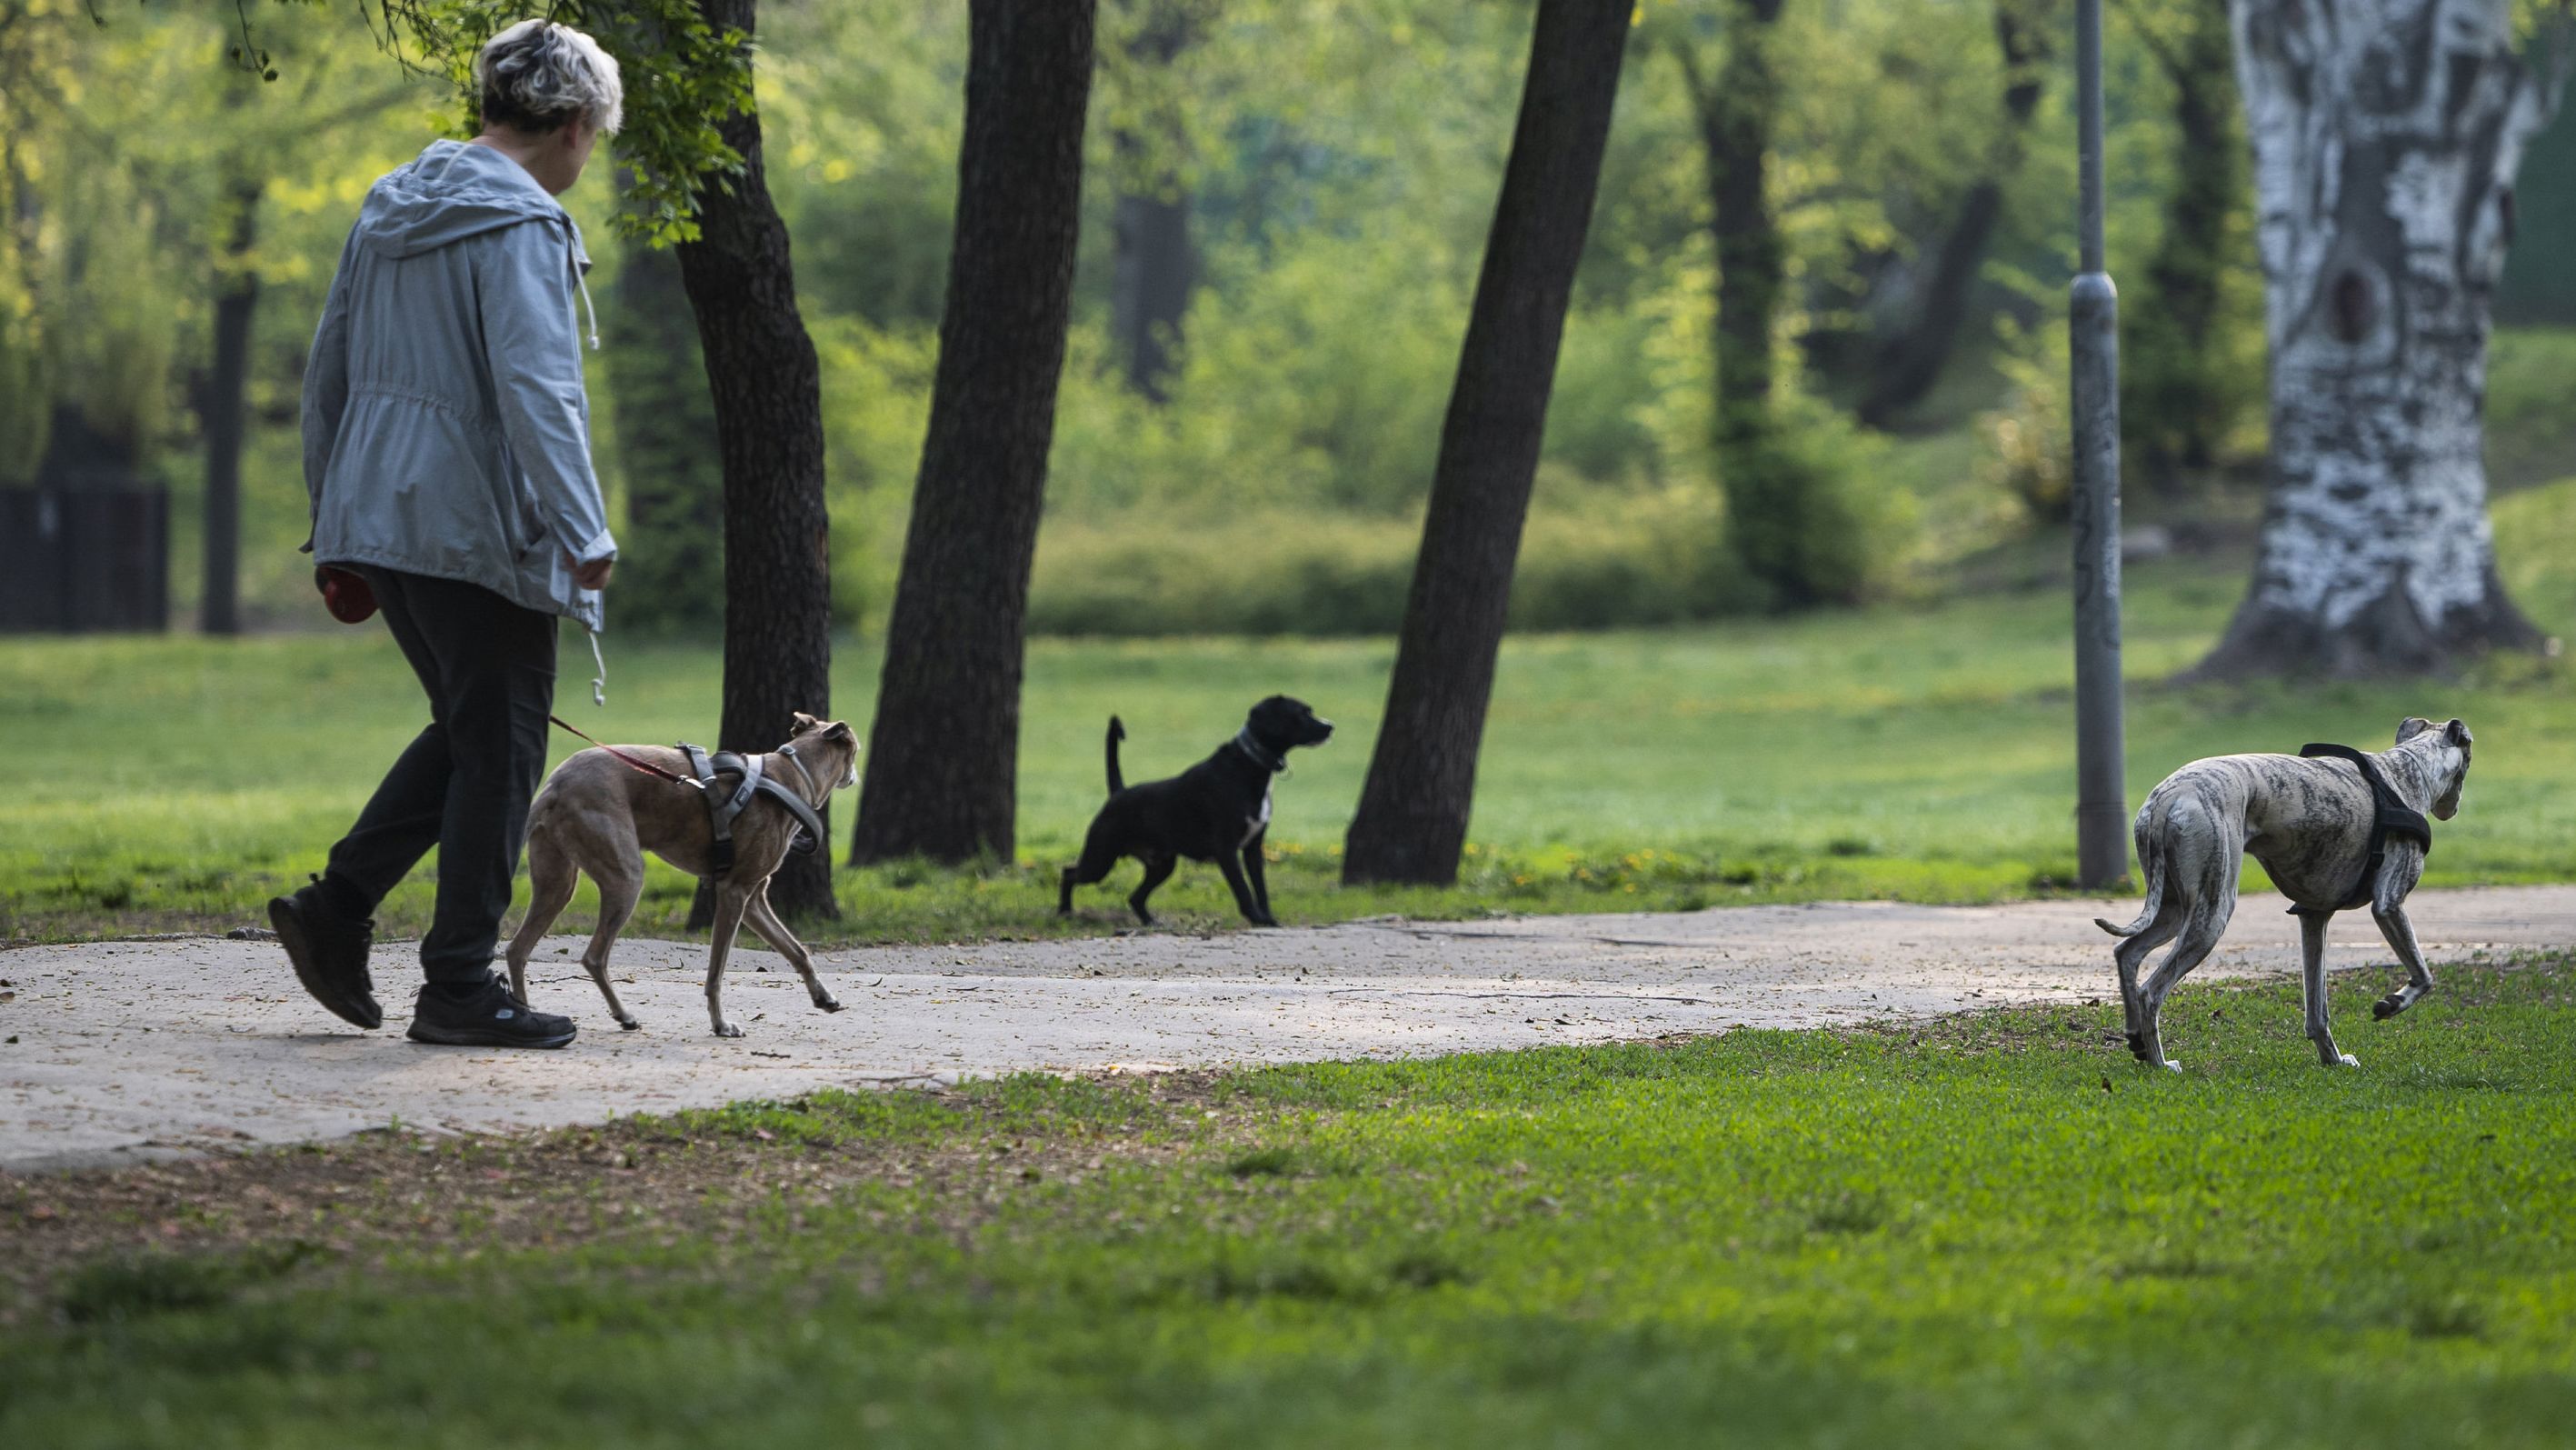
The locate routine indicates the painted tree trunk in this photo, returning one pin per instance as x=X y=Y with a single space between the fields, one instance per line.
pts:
x=943 y=757
x=2386 y=135
x=1412 y=818
x=766 y=384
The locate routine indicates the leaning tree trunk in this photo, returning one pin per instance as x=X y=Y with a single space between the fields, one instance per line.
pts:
x=226 y=409
x=942 y=760
x=1412 y=819
x=1910 y=363
x=767 y=388
x=2386 y=136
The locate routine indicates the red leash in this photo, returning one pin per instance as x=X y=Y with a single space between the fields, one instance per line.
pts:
x=646 y=766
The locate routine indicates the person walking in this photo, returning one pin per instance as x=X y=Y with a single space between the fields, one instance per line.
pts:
x=447 y=452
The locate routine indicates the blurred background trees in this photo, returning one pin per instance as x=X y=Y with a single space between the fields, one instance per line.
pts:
x=1284 y=204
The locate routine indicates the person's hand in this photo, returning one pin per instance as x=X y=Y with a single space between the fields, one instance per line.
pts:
x=593 y=575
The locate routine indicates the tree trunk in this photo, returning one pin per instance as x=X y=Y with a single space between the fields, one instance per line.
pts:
x=673 y=572
x=942 y=761
x=1157 y=268
x=2384 y=157
x=1767 y=499
x=1736 y=117
x=1908 y=366
x=224 y=410
x=1156 y=264
x=1412 y=818
x=2176 y=403
x=766 y=386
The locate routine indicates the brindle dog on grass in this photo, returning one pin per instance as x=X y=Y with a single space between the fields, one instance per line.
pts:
x=2310 y=823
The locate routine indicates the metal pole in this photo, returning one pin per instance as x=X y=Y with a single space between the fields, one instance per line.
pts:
x=2093 y=326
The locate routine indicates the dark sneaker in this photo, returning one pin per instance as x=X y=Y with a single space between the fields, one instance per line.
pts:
x=330 y=954
x=484 y=1016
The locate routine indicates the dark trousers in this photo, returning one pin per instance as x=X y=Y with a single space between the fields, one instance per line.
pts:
x=463 y=785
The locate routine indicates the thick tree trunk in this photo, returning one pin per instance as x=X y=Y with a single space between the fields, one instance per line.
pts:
x=1911 y=362
x=673 y=572
x=766 y=386
x=2386 y=137
x=1412 y=819
x=224 y=411
x=2176 y=403
x=942 y=761
x=1156 y=264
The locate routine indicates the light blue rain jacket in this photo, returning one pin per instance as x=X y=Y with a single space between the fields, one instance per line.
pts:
x=445 y=428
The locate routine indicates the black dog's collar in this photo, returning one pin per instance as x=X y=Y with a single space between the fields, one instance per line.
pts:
x=1244 y=742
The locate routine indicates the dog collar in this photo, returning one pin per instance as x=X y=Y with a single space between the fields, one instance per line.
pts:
x=1244 y=742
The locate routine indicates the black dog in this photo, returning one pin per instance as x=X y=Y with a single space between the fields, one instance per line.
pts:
x=1217 y=810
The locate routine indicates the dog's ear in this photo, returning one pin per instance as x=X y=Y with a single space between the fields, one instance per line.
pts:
x=804 y=722
x=838 y=730
x=2412 y=726
x=2457 y=733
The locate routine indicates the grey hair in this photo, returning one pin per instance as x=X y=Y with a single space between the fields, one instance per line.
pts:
x=537 y=75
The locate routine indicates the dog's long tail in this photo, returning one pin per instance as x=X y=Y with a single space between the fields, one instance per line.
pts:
x=2151 y=859
x=1117 y=732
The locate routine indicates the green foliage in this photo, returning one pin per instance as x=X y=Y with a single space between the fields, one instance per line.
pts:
x=1990 y=1231
x=2029 y=440
x=682 y=79
x=1808 y=510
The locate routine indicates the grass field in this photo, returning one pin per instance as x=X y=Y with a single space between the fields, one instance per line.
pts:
x=1990 y=1232
x=1922 y=753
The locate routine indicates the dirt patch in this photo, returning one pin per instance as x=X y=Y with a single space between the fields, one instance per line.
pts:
x=663 y=1181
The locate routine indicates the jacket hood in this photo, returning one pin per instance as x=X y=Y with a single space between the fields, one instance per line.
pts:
x=452 y=191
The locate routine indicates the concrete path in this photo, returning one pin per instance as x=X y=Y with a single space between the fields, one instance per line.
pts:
x=121 y=1050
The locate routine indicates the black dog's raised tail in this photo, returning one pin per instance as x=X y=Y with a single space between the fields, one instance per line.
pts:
x=1117 y=732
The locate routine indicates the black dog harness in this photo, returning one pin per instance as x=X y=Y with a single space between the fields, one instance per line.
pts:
x=2393 y=818
x=723 y=808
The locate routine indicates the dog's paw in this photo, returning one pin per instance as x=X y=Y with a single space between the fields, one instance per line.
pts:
x=2346 y=1059
x=2385 y=1008
x=727 y=1029
x=630 y=1024
x=828 y=1002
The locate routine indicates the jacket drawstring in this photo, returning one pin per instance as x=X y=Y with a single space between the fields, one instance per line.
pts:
x=579 y=281
x=598 y=682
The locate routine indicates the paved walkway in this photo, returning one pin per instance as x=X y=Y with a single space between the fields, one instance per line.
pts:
x=121 y=1050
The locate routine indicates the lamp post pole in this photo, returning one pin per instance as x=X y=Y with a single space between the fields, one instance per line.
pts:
x=2093 y=325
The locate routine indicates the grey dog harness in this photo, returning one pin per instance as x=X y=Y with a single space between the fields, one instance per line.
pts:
x=2391 y=817
x=724 y=807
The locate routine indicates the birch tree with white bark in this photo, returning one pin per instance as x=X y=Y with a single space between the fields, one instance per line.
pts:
x=2386 y=136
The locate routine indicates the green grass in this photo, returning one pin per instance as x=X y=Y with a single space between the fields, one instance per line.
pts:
x=1989 y=1232
x=1921 y=753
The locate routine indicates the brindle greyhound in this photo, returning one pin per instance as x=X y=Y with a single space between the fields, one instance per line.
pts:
x=2312 y=823
x=599 y=813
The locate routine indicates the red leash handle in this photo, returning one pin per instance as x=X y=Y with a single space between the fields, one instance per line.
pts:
x=646 y=766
